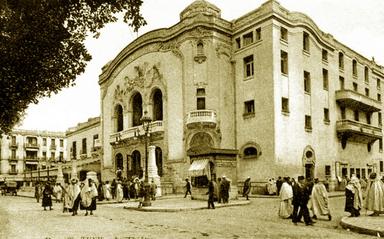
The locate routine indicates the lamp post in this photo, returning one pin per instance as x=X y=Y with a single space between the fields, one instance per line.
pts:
x=146 y=121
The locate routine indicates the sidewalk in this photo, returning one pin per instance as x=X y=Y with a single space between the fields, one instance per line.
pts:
x=365 y=225
x=330 y=195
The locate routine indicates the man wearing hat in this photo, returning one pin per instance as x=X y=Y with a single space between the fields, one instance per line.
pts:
x=300 y=200
x=188 y=188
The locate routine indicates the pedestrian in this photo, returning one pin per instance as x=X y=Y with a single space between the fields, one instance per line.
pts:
x=107 y=191
x=119 y=192
x=100 y=191
x=353 y=197
x=225 y=188
x=219 y=193
x=74 y=194
x=271 y=187
x=125 y=188
x=47 y=196
x=58 y=192
x=286 y=196
x=153 y=190
x=113 y=188
x=88 y=196
x=211 y=195
x=37 y=191
x=247 y=187
x=374 y=200
x=141 y=193
x=188 y=188
x=279 y=183
x=300 y=200
x=319 y=200
x=66 y=197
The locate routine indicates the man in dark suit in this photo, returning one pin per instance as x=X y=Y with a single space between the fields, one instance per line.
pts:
x=301 y=194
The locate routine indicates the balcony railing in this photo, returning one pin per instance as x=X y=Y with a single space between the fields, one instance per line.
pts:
x=13 y=172
x=31 y=159
x=31 y=145
x=202 y=116
x=354 y=100
x=357 y=131
x=155 y=126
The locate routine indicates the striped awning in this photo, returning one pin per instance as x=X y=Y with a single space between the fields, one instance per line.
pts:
x=199 y=167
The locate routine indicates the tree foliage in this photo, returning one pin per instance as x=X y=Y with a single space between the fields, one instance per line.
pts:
x=42 y=46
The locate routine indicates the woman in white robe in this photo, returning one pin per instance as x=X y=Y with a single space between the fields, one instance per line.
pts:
x=119 y=192
x=374 y=200
x=319 y=200
x=286 y=195
x=107 y=191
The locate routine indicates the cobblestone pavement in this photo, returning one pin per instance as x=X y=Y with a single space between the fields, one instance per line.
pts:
x=24 y=218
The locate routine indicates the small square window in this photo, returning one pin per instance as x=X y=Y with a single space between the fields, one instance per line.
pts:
x=284 y=105
x=248 y=38
x=249 y=107
x=283 y=34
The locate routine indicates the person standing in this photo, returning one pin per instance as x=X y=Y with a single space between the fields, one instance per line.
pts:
x=88 y=197
x=225 y=187
x=66 y=197
x=300 y=201
x=58 y=192
x=107 y=191
x=74 y=194
x=113 y=188
x=319 y=200
x=211 y=195
x=47 y=196
x=353 y=197
x=153 y=190
x=286 y=196
x=279 y=183
x=37 y=191
x=188 y=188
x=119 y=192
x=247 y=187
x=100 y=191
x=374 y=200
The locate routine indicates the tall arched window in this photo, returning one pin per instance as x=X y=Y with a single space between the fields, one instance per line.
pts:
x=157 y=102
x=136 y=169
x=159 y=161
x=119 y=125
x=137 y=109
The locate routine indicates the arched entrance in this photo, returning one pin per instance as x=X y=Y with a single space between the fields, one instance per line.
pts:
x=137 y=109
x=157 y=102
x=136 y=168
x=309 y=161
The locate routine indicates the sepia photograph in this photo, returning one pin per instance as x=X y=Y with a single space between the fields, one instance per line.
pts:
x=146 y=119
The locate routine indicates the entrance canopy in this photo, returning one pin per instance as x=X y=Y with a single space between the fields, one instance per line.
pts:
x=199 y=167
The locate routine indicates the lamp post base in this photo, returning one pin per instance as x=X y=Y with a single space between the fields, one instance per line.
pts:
x=147 y=195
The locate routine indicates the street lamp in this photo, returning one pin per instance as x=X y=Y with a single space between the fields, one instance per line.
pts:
x=146 y=121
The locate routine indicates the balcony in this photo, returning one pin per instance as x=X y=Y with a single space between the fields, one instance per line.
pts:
x=205 y=117
x=131 y=133
x=357 y=132
x=31 y=146
x=356 y=101
x=13 y=172
x=31 y=159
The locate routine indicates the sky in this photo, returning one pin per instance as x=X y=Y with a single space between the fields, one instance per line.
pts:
x=355 y=23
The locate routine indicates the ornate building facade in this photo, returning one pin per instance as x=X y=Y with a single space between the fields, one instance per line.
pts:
x=265 y=95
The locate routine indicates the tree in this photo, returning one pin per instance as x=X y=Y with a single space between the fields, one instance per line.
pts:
x=42 y=47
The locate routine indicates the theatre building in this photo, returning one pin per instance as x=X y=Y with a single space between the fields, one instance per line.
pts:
x=265 y=95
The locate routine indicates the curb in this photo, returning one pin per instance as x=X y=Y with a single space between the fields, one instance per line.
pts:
x=361 y=230
x=144 y=209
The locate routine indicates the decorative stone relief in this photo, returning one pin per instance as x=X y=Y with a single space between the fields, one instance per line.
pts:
x=222 y=49
x=172 y=46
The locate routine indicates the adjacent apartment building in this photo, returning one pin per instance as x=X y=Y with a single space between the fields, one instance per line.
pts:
x=265 y=95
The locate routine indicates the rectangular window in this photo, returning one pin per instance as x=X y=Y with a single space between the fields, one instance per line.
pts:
x=351 y=172
x=249 y=107
x=381 y=166
x=74 y=150
x=52 y=156
x=368 y=117
x=248 y=66
x=326 y=115
x=238 y=43
x=284 y=105
x=325 y=79
x=354 y=68
x=53 y=143
x=355 y=86
x=366 y=74
x=283 y=34
x=342 y=112
x=378 y=84
x=13 y=154
x=379 y=119
x=305 y=41
x=341 y=81
x=341 y=61
x=61 y=157
x=308 y=122
x=84 y=146
x=284 y=62
x=363 y=173
x=200 y=99
x=258 y=34
x=356 y=115
x=324 y=55
x=248 y=38
x=380 y=145
x=45 y=155
x=328 y=170
x=44 y=142
x=61 y=143
x=378 y=97
x=367 y=92
x=307 y=82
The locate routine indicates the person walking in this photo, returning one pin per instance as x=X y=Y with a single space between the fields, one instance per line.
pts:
x=66 y=198
x=119 y=192
x=286 y=196
x=74 y=194
x=88 y=197
x=47 y=196
x=300 y=200
x=247 y=187
x=225 y=187
x=353 y=197
x=211 y=195
x=188 y=188
x=374 y=200
x=319 y=200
